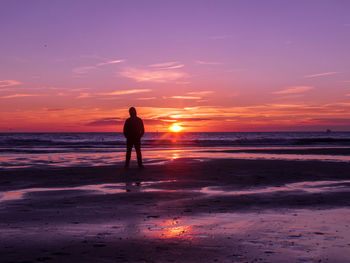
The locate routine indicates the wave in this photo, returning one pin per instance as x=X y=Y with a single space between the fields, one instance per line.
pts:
x=54 y=143
x=109 y=142
x=92 y=141
x=172 y=143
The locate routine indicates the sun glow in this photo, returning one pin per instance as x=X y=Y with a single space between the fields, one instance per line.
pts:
x=175 y=127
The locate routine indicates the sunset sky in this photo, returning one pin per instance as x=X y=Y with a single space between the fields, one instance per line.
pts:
x=205 y=65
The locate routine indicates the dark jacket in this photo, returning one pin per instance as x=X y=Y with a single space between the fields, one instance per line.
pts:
x=133 y=128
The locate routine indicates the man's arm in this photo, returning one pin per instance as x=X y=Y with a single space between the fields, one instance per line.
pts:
x=142 y=129
x=125 y=129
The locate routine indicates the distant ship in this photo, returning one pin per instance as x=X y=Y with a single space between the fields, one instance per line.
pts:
x=328 y=131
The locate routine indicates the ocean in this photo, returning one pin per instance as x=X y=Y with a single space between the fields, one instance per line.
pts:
x=86 y=149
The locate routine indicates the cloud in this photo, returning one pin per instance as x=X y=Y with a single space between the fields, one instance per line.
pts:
x=109 y=121
x=333 y=121
x=168 y=65
x=106 y=122
x=112 y=93
x=54 y=109
x=320 y=74
x=144 y=75
x=84 y=95
x=292 y=96
x=86 y=69
x=193 y=95
x=125 y=92
x=202 y=93
x=153 y=121
x=184 y=119
x=183 y=82
x=164 y=65
x=19 y=96
x=79 y=89
x=191 y=108
x=293 y=90
x=175 y=67
x=110 y=62
x=149 y=98
x=270 y=116
x=186 y=97
x=8 y=83
x=207 y=62
x=172 y=119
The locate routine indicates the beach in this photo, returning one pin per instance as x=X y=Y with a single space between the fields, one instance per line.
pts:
x=184 y=210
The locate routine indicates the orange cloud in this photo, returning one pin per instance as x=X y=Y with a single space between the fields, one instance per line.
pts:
x=144 y=75
x=84 y=95
x=113 y=93
x=147 y=98
x=125 y=92
x=293 y=90
x=193 y=95
x=280 y=116
x=8 y=83
x=20 y=95
x=202 y=93
x=186 y=97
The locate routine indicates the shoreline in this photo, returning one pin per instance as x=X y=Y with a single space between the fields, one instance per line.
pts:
x=166 y=155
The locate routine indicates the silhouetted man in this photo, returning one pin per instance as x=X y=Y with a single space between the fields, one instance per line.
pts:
x=133 y=131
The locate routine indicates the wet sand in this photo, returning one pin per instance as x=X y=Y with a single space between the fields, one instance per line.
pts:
x=183 y=211
x=293 y=150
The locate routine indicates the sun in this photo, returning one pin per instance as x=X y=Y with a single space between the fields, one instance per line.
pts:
x=175 y=127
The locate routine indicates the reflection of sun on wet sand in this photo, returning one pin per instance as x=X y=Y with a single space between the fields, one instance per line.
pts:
x=184 y=211
x=168 y=229
x=176 y=230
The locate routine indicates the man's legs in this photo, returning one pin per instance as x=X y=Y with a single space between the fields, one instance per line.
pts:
x=129 y=145
x=138 y=153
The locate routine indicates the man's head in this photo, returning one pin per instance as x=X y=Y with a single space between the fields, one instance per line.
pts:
x=132 y=112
